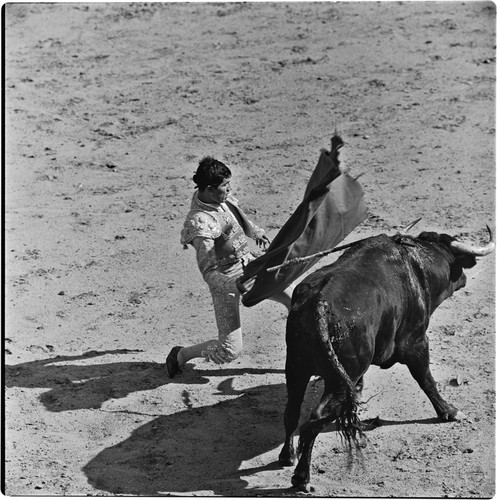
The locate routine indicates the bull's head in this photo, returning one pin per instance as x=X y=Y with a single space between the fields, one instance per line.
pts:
x=464 y=254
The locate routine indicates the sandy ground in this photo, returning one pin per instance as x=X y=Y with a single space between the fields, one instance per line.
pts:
x=109 y=108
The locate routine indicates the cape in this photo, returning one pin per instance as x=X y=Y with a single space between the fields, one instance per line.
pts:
x=333 y=205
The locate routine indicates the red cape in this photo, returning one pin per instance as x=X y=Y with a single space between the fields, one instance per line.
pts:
x=332 y=207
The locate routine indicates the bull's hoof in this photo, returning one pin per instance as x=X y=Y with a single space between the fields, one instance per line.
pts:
x=371 y=423
x=459 y=415
x=301 y=484
x=287 y=454
x=453 y=416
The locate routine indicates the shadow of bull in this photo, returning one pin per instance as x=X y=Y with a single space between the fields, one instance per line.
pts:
x=197 y=450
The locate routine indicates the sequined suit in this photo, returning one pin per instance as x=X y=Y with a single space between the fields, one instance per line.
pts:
x=219 y=235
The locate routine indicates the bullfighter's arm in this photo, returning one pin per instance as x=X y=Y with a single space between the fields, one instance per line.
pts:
x=259 y=235
x=257 y=231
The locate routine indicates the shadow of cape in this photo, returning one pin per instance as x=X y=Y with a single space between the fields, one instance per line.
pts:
x=197 y=450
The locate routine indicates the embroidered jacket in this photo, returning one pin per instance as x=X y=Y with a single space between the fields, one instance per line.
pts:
x=219 y=235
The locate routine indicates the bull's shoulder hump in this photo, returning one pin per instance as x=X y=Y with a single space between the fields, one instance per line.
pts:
x=374 y=248
x=368 y=253
x=378 y=240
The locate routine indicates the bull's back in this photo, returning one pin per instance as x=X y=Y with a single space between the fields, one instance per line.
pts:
x=366 y=297
x=374 y=267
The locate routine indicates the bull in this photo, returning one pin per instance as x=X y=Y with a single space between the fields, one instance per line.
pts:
x=371 y=306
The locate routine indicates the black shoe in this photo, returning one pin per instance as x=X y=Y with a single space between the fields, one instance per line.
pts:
x=172 y=365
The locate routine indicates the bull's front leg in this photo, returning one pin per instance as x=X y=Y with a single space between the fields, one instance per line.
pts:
x=418 y=361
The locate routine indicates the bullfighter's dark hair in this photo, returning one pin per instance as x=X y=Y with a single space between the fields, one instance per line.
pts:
x=210 y=172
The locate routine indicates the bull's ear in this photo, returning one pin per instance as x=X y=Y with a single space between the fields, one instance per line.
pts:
x=462 y=261
x=465 y=260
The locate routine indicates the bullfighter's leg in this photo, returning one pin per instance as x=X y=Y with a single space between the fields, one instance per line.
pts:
x=296 y=382
x=229 y=344
x=230 y=341
x=417 y=359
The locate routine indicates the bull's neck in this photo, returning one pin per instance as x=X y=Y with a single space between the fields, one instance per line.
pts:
x=433 y=267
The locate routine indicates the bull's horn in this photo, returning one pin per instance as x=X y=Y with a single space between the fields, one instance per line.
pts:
x=411 y=225
x=478 y=251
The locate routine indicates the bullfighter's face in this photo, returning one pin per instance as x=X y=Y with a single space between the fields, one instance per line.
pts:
x=221 y=192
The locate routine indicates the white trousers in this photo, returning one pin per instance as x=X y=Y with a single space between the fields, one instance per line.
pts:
x=229 y=344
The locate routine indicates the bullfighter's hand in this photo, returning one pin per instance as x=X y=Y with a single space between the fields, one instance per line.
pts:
x=263 y=241
x=244 y=286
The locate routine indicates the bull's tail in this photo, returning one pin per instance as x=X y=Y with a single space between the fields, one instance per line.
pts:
x=347 y=422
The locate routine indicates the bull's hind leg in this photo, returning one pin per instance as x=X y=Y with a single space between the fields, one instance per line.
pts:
x=326 y=411
x=359 y=387
x=418 y=361
x=296 y=383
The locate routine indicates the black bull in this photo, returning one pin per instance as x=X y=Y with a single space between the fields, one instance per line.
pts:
x=372 y=306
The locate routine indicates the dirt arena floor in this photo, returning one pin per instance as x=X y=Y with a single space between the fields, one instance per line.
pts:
x=109 y=107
